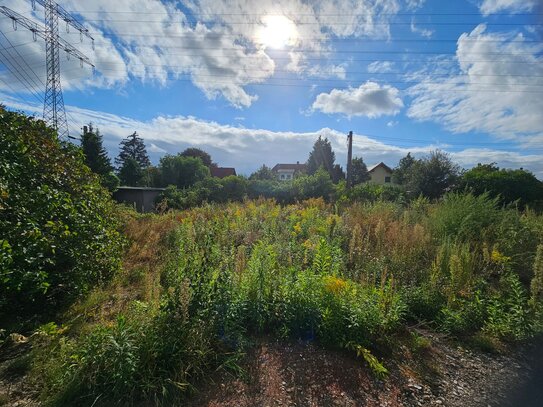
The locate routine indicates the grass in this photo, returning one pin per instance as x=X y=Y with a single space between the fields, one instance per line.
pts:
x=197 y=285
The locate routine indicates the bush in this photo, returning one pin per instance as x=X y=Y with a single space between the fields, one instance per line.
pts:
x=58 y=225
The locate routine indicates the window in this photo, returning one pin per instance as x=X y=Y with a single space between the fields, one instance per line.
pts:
x=387 y=180
x=282 y=176
x=289 y=176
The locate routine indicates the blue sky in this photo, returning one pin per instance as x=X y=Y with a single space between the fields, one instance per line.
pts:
x=256 y=82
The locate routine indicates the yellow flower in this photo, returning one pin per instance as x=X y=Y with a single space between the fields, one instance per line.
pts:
x=297 y=227
x=498 y=257
x=334 y=285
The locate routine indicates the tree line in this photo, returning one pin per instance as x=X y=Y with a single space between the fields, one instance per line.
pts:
x=188 y=180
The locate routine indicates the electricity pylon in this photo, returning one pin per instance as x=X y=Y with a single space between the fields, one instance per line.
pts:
x=53 y=107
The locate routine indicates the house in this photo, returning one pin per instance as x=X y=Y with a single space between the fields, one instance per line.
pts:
x=141 y=198
x=380 y=174
x=286 y=172
x=222 y=172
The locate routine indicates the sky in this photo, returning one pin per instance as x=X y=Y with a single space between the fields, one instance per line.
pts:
x=255 y=82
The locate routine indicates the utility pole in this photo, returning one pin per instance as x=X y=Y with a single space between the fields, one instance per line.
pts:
x=53 y=107
x=349 y=160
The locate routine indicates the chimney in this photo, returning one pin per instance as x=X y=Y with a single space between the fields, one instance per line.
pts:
x=298 y=162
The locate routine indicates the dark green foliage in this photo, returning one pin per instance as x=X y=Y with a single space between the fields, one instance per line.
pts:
x=181 y=171
x=57 y=224
x=131 y=173
x=432 y=176
x=400 y=175
x=323 y=156
x=263 y=173
x=313 y=186
x=133 y=148
x=509 y=185
x=201 y=154
x=375 y=192
x=110 y=181
x=360 y=171
x=95 y=154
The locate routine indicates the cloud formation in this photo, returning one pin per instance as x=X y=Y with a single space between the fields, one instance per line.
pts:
x=369 y=99
x=513 y=6
x=498 y=92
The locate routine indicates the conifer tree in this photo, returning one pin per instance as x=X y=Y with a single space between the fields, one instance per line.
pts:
x=96 y=156
x=323 y=156
x=133 y=148
x=360 y=171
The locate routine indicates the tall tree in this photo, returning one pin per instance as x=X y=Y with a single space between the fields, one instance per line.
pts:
x=360 y=171
x=401 y=172
x=131 y=174
x=323 y=156
x=432 y=176
x=96 y=156
x=133 y=147
x=201 y=154
x=182 y=171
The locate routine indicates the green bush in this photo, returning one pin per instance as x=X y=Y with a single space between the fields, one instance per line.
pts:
x=58 y=225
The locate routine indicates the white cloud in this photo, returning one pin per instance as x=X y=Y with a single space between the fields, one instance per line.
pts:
x=242 y=148
x=392 y=123
x=369 y=99
x=414 y=4
x=514 y=6
x=380 y=66
x=496 y=88
x=421 y=31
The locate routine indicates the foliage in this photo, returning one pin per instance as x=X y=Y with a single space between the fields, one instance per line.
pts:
x=133 y=148
x=182 y=171
x=313 y=186
x=95 y=154
x=536 y=285
x=509 y=185
x=400 y=175
x=263 y=173
x=57 y=223
x=131 y=174
x=322 y=156
x=431 y=176
x=359 y=170
x=199 y=153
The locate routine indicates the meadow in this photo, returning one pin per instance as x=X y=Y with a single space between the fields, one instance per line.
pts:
x=199 y=285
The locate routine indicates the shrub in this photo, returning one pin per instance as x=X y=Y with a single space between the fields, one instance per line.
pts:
x=58 y=225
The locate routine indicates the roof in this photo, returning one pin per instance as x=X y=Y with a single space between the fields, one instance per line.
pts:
x=221 y=172
x=381 y=164
x=295 y=167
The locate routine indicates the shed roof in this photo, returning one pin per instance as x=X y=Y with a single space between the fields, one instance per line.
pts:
x=381 y=164
x=221 y=172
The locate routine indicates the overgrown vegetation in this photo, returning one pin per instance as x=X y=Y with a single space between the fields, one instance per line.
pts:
x=58 y=230
x=351 y=279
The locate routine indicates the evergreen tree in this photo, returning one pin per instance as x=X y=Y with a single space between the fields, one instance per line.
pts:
x=133 y=148
x=131 y=174
x=96 y=156
x=323 y=156
x=401 y=172
x=360 y=171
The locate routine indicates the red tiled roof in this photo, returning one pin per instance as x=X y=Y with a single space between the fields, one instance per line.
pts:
x=221 y=172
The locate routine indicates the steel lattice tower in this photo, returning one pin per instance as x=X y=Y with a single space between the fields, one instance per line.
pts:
x=53 y=107
x=53 y=104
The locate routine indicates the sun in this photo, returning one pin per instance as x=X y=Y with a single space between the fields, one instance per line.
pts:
x=277 y=32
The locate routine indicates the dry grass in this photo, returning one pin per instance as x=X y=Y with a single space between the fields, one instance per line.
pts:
x=144 y=259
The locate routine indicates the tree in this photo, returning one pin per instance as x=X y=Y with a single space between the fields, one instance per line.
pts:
x=360 y=171
x=95 y=154
x=337 y=173
x=432 y=176
x=510 y=185
x=401 y=172
x=131 y=174
x=133 y=147
x=263 y=173
x=182 y=171
x=323 y=156
x=201 y=154
x=58 y=229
